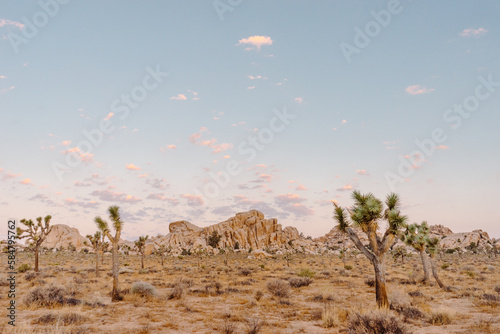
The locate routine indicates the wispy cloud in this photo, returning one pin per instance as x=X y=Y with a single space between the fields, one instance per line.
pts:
x=417 y=90
x=7 y=22
x=362 y=172
x=112 y=196
x=471 y=32
x=179 y=97
x=256 y=42
x=298 y=100
x=193 y=200
x=347 y=187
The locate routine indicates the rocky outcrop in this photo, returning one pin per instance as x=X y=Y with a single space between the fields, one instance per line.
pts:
x=245 y=230
x=461 y=240
x=62 y=236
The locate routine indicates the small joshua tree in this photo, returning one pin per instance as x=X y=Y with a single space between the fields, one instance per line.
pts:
x=161 y=250
x=35 y=233
x=104 y=247
x=433 y=249
x=140 y=246
x=95 y=242
x=400 y=252
x=366 y=214
x=417 y=236
x=103 y=226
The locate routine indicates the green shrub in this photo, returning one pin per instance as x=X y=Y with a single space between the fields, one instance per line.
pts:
x=144 y=289
x=23 y=268
x=306 y=272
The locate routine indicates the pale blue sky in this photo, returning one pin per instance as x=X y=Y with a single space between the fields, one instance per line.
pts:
x=353 y=119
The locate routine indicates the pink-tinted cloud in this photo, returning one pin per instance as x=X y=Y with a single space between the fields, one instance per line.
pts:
x=471 y=32
x=251 y=77
x=131 y=167
x=111 y=196
x=289 y=198
x=85 y=157
x=300 y=210
x=193 y=200
x=162 y=197
x=74 y=202
x=197 y=135
x=256 y=42
x=181 y=97
x=301 y=187
x=7 y=22
x=347 y=187
x=26 y=181
x=298 y=100
x=66 y=142
x=362 y=172
x=442 y=147
x=417 y=90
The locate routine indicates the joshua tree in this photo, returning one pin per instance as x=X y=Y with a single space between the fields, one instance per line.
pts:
x=366 y=214
x=104 y=247
x=140 y=246
x=433 y=249
x=161 y=250
x=417 y=236
x=35 y=233
x=95 y=242
x=103 y=226
x=400 y=252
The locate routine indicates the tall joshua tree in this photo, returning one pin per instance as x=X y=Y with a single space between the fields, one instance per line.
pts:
x=432 y=249
x=96 y=243
x=417 y=236
x=367 y=213
x=140 y=246
x=103 y=226
x=35 y=233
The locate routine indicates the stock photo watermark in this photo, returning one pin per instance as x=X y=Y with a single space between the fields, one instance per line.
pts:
x=223 y=6
x=248 y=150
x=373 y=28
x=119 y=107
x=453 y=117
x=11 y=271
x=31 y=27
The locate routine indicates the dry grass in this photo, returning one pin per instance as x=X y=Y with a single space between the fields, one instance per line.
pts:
x=253 y=296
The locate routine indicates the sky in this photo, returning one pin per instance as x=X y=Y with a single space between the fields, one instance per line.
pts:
x=197 y=110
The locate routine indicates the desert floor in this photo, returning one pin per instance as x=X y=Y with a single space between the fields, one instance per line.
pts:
x=206 y=295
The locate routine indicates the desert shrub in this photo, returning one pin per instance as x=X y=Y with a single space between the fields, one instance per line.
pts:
x=490 y=300
x=297 y=282
x=375 y=323
x=415 y=293
x=45 y=296
x=407 y=311
x=497 y=288
x=30 y=276
x=254 y=325
x=228 y=327
x=64 y=319
x=258 y=295
x=370 y=282
x=279 y=288
x=177 y=291
x=23 y=268
x=306 y=272
x=245 y=272
x=144 y=289
x=124 y=271
x=347 y=267
x=329 y=317
x=445 y=266
x=441 y=317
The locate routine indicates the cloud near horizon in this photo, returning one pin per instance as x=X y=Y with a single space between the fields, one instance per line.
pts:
x=417 y=90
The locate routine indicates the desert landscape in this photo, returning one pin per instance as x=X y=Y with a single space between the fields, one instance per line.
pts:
x=258 y=278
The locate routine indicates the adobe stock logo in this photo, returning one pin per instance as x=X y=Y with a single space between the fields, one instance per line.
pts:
x=372 y=29
x=49 y=9
x=453 y=117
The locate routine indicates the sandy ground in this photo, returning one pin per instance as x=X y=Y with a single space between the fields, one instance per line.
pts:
x=194 y=295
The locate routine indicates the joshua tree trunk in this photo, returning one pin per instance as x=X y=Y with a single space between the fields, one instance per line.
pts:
x=380 y=290
x=97 y=263
x=161 y=257
x=435 y=274
x=142 y=260
x=425 y=264
x=102 y=257
x=36 y=257
x=115 y=295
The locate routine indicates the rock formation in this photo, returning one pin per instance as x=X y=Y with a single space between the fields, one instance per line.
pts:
x=62 y=235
